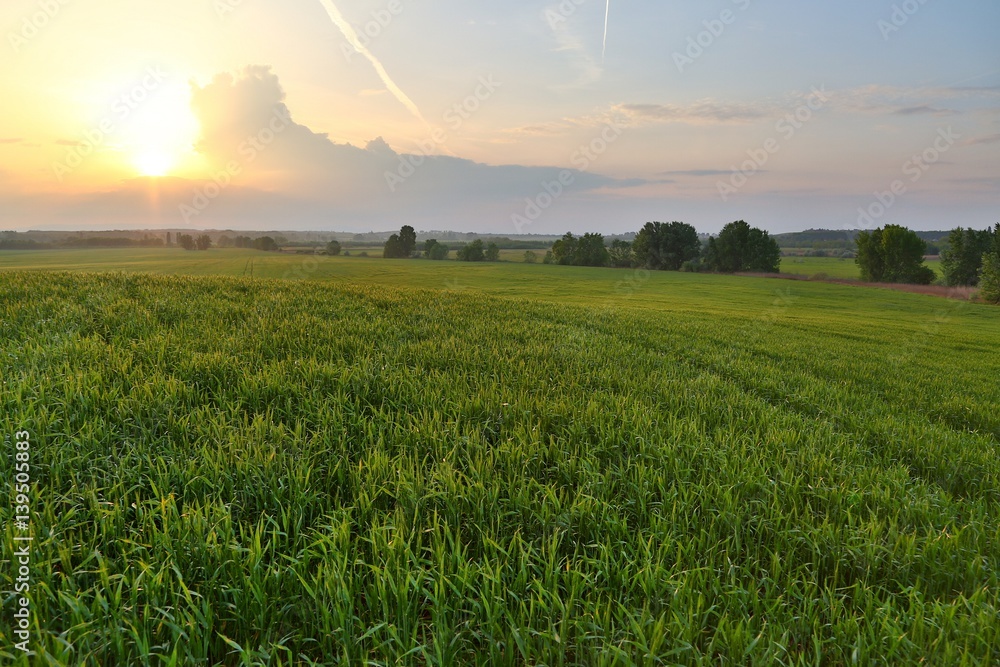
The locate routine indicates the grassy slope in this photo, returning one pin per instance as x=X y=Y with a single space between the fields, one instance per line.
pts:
x=508 y=278
x=696 y=468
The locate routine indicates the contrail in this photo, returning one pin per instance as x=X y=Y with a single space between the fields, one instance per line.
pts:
x=352 y=37
x=607 y=15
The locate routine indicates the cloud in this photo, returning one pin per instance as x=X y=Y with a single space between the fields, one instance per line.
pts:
x=11 y=141
x=68 y=142
x=922 y=110
x=698 y=113
x=898 y=100
x=235 y=110
x=982 y=141
x=863 y=100
x=700 y=172
x=280 y=174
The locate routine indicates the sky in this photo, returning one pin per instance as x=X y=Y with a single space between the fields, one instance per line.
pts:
x=513 y=117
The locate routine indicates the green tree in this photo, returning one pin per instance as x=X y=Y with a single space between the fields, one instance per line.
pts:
x=393 y=248
x=989 y=278
x=962 y=259
x=492 y=252
x=665 y=247
x=591 y=251
x=334 y=248
x=564 y=250
x=620 y=254
x=893 y=254
x=740 y=247
x=203 y=242
x=434 y=250
x=266 y=243
x=472 y=252
x=408 y=240
x=530 y=257
x=186 y=241
x=587 y=250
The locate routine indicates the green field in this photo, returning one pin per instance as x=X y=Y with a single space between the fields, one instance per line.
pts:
x=234 y=262
x=379 y=462
x=811 y=266
x=833 y=267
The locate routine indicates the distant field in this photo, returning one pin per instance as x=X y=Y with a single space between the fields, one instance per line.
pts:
x=437 y=463
x=233 y=261
x=833 y=267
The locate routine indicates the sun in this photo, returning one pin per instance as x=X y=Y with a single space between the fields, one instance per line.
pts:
x=158 y=136
x=153 y=163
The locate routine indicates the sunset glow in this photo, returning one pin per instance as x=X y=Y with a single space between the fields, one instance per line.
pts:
x=326 y=107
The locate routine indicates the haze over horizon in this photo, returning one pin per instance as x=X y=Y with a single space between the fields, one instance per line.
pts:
x=530 y=117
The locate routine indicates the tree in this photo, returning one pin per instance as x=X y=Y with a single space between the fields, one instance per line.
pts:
x=393 y=248
x=492 y=252
x=334 y=248
x=963 y=258
x=620 y=255
x=530 y=257
x=401 y=245
x=740 y=247
x=226 y=241
x=186 y=241
x=434 y=250
x=588 y=250
x=893 y=254
x=265 y=243
x=408 y=240
x=666 y=247
x=564 y=250
x=204 y=242
x=989 y=278
x=472 y=252
x=591 y=251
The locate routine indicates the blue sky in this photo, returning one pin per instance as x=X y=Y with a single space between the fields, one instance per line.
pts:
x=890 y=96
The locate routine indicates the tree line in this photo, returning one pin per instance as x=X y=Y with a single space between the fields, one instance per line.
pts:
x=889 y=254
x=674 y=246
x=895 y=254
x=661 y=246
x=404 y=245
